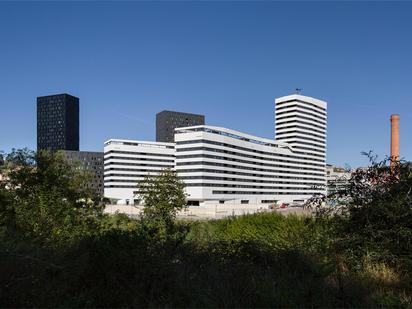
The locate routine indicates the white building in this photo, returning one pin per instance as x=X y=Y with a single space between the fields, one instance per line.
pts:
x=226 y=166
x=301 y=122
x=220 y=165
x=127 y=162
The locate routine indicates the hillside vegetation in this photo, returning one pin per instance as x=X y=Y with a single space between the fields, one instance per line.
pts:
x=58 y=249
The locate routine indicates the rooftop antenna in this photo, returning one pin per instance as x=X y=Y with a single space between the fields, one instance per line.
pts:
x=298 y=90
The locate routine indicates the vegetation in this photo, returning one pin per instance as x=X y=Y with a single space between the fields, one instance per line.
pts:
x=376 y=220
x=45 y=199
x=163 y=197
x=58 y=249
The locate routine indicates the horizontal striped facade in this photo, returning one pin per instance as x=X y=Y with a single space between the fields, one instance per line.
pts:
x=128 y=162
x=222 y=165
x=218 y=164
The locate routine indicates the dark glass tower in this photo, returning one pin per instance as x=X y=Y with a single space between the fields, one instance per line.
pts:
x=167 y=122
x=90 y=161
x=58 y=122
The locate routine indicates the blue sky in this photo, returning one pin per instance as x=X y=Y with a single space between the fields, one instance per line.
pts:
x=228 y=60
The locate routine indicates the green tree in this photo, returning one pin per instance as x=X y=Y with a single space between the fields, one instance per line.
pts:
x=47 y=199
x=375 y=217
x=20 y=157
x=163 y=196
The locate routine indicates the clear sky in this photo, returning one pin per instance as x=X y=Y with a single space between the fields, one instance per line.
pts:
x=126 y=61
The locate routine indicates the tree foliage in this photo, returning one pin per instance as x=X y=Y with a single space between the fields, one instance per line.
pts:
x=45 y=198
x=163 y=196
x=57 y=249
x=375 y=215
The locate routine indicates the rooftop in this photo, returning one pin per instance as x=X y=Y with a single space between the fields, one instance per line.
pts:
x=298 y=97
x=233 y=134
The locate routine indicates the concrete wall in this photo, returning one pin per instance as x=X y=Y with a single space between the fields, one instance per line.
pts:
x=206 y=212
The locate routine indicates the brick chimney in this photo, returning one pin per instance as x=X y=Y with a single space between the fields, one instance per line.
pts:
x=394 y=139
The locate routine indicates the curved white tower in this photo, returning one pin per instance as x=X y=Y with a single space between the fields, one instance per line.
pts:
x=301 y=122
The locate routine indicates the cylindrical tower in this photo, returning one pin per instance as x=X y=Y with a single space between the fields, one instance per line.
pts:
x=394 y=139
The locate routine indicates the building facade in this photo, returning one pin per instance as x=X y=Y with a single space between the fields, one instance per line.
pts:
x=337 y=179
x=127 y=162
x=301 y=122
x=219 y=165
x=168 y=121
x=225 y=166
x=91 y=161
x=58 y=122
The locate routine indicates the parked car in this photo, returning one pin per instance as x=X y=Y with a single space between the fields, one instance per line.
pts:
x=284 y=205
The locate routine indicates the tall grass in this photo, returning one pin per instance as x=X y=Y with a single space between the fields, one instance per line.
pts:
x=262 y=260
x=56 y=251
x=271 y=230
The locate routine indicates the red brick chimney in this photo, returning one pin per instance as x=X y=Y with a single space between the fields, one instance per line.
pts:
x=394 y=139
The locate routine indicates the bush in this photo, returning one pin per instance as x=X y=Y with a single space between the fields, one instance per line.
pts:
x=44 y=198
x=376 y=220
x=57 y=249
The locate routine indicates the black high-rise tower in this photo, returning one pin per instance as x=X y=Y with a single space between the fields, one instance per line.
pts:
x=58 y=122
x=168 y=121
